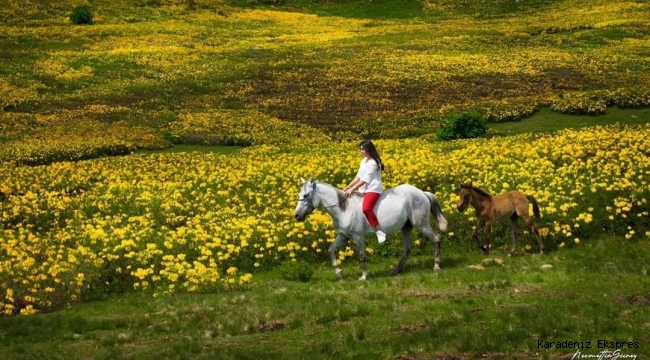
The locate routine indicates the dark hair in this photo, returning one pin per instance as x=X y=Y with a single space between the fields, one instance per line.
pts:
x=370 y=149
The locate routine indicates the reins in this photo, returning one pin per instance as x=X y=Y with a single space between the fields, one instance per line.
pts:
x=338 y=203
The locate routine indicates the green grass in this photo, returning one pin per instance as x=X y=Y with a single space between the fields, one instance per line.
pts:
x=546 y=120
x=595 y=291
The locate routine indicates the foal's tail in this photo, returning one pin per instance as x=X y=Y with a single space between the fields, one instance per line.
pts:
x=436 y=210
x=535 y=207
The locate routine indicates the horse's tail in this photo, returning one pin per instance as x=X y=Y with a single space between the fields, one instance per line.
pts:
x=436 y=210
x=535 y=206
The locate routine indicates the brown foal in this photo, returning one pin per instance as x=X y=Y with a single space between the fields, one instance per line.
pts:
x=512 y=204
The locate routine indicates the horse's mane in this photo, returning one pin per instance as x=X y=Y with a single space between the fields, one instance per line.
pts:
x=339 y=194
x=480 y=191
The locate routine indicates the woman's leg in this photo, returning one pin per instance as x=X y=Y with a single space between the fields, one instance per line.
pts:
x=369 y=201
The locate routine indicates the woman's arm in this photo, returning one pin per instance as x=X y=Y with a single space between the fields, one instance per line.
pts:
x=357 y=183
x=352 y=183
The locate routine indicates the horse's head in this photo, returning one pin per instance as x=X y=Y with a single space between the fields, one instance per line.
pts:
x=465 y=196
x=305 y=204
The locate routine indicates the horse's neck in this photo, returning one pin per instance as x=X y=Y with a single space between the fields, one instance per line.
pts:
x=329 y=197
x=480 y=201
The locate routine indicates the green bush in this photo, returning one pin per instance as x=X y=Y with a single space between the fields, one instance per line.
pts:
x=296 y=271
x=463 y=126
x=81 y=14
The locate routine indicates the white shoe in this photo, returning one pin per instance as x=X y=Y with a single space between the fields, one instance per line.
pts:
x=381 y=236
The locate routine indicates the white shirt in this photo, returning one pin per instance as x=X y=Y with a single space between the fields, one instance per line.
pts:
x=370 y=173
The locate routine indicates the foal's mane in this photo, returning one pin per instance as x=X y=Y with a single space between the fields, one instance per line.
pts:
x=479 y=191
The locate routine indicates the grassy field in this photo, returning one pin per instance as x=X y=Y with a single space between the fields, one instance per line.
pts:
x=546 y=120
x=502 y=311
x=116 y=245
x=148 y=74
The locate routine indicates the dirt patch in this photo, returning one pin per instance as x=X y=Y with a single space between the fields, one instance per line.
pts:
x=318 y=98
x=411 y=328
x=423 y=294
x=272 y=326
x=563 y=78
x=326 y=97
x=637 y=300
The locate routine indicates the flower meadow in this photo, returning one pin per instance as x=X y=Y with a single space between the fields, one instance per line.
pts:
x=165 y=223
x=157 y=65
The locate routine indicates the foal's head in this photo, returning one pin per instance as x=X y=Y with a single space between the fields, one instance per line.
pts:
x=467 y=191
x=465 y=196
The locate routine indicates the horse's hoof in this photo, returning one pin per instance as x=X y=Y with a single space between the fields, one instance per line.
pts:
x=393 y=272
x=436 y=267
x=339 y=273
x=362 y=278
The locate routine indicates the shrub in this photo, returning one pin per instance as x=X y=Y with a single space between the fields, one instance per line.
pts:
x=463 y=126
x=81 y=14
x=296 y=271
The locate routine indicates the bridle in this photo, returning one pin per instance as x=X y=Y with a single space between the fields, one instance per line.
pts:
x=310 y=199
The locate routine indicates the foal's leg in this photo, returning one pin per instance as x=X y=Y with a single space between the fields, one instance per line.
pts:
x=361 y=248
x=478 y=228
x=535 y=231
x=340 y=239
x=435 y=237
x=488 y=234
x=407 y=246
x=515 y=232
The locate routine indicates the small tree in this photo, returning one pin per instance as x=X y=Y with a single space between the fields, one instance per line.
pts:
x=81 y=14
x=463 y=126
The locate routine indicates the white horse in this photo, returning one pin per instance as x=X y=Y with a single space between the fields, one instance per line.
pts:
x=399 y=208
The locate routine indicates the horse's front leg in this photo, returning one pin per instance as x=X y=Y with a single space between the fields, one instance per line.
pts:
x=340 y=239
x=475 y=234
x=361 y=248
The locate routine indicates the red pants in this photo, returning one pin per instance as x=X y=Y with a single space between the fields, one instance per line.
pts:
x=369 y=201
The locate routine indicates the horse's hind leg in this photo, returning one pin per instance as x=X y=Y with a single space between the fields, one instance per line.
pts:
x=535 y=231
x=361 y=247
x=435 y=237
x=407 y=246
x=515 y=232
x=340 y=239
